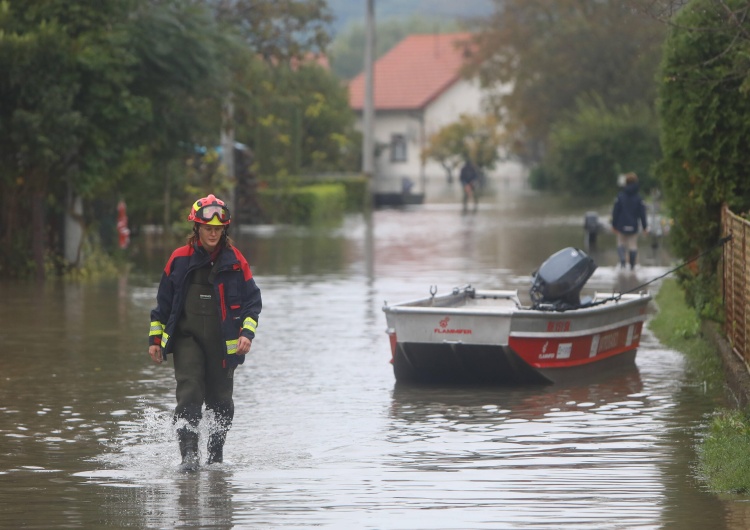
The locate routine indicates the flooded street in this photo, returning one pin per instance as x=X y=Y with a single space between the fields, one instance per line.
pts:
x=323 y=437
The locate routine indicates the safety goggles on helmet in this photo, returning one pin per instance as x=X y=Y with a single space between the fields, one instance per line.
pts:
x=206 y=213
x=210 y=210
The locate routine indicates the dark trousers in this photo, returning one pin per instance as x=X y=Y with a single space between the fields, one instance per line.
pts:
x=202 y=379
x=198 y=361
x=470 y=191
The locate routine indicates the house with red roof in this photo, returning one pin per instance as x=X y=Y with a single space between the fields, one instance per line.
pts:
x=418 y=88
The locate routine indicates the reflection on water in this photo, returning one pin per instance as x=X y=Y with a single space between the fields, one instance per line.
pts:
x=323 y=436
x=569 y=454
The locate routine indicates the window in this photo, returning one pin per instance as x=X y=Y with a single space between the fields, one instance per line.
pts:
x=398 y=148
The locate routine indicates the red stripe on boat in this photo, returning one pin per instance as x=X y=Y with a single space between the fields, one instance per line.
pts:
x=566 y=352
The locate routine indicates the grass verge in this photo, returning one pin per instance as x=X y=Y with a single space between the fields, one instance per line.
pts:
x=724 y=452
x=677 y=326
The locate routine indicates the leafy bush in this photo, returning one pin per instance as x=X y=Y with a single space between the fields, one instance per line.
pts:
x=590 y=147
x=356 y=190
x=703 y=106
x=304 y=205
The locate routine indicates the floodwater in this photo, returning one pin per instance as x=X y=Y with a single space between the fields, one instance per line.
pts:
x=323 y=436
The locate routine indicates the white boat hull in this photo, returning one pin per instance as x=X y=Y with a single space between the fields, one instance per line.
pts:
x=488 y=337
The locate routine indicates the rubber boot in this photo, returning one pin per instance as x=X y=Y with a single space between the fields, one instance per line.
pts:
x=621 y=255
x=631 y=257
x=216 y=447
x=188 y=449
x=223 y=415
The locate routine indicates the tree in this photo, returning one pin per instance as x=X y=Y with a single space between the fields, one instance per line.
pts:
x=471 y=137
x=183 y=73
x=447 y=148
x=103 y=99
x=66 y=112
x=347 y=51
x=298 y=120
x=290 y=110
x=704 y=108
x=329 y=140
x=283 y=33
x=552 y=52
x=278 y=30
x=592 y=145
x=95 y=92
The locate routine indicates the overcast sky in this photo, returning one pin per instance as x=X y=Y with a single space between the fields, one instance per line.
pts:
x=354 y=10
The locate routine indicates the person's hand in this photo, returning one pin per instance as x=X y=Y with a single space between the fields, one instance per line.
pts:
x=243 y=345
x=155 y=352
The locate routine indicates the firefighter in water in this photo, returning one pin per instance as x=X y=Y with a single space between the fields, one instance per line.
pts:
x=206 y=315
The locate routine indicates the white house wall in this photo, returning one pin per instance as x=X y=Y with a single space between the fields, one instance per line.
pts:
x=463 y=97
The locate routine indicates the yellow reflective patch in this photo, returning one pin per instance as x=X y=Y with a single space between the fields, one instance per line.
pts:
x=250 y=324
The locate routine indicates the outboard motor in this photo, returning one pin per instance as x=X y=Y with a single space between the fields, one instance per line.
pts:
x=558 y=282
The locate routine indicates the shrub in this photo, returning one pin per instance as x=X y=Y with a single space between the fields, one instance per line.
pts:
x=590 y=147
x=356 y=190
x=304 y=205
x=703 y=106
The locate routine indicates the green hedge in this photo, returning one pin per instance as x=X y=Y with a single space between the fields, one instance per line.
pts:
x=356 y=190
x=303 y=205
x=704 y=109
x=594 y=144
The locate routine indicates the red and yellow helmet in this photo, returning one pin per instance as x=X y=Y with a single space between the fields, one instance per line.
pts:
x=210 y=211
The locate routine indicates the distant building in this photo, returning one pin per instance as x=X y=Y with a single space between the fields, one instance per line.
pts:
x=418 y=89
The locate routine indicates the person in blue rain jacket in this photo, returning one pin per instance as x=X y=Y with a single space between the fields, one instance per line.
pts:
x=628 y=218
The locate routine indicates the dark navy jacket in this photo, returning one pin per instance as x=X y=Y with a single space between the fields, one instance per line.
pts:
x=628 y=210
x=234 y=290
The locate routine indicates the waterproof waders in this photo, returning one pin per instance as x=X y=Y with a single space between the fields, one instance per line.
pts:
x=200 y=373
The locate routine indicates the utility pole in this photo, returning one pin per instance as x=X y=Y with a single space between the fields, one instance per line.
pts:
x=368 y=111
x=227 y=151
x=368 y=143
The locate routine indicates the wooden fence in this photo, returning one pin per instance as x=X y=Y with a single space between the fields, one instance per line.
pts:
x=736 y=281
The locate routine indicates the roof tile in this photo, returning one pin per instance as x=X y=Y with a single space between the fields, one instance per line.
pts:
x=414 y=72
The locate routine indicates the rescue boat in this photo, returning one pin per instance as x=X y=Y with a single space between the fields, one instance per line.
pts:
x=489 y=336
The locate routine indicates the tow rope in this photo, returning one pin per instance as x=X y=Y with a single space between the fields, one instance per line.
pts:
x=617 y=297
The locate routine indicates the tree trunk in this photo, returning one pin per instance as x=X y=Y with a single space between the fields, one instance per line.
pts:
x=166 y=219
x=73 y=228
x=38 y=235
x=227 y=149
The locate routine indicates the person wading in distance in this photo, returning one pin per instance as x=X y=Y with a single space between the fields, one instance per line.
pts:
x=469 y=178
x=627 y=212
